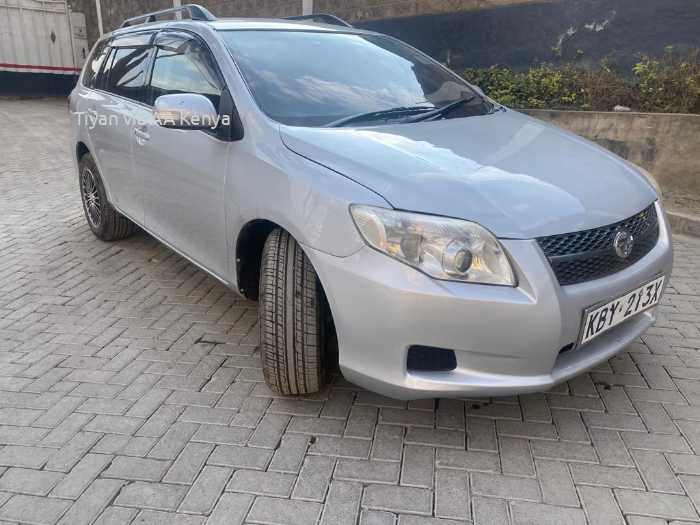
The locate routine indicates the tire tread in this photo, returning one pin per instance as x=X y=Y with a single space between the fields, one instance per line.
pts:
x=290 y=310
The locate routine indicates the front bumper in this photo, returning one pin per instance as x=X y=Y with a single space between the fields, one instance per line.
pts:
x=506 y=340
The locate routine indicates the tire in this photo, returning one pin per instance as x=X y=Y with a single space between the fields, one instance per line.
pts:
x=104 y=221
x=293 y=318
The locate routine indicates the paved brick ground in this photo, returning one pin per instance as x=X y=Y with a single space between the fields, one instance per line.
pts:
x=131 y=391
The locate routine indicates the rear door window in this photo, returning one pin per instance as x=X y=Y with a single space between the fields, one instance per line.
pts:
x=127 y=73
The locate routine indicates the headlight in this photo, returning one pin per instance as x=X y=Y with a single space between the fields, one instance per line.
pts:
x=650 y=179
x=449 y=249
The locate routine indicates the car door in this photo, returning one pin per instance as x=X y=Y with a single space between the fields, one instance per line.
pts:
x=183 y=172
x=121 y=96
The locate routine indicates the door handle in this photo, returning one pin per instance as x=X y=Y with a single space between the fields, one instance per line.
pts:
x=92 y=113
x=141 y=135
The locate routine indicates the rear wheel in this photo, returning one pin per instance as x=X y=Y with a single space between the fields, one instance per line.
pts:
x=104 y=221
x=293 y=322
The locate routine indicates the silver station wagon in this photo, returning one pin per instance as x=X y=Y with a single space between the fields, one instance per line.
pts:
x=389 y=218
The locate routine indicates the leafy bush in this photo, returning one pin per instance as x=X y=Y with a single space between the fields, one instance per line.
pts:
x=670 y=83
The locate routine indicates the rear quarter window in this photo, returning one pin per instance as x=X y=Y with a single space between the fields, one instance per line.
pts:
x=94 y=63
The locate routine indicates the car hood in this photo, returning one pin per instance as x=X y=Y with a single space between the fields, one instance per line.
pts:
x=517 y=176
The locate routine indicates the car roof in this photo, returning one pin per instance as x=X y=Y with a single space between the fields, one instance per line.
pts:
x=242 y=24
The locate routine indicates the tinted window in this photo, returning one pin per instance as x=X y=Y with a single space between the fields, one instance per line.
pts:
x=309 y=78
x=94 y=62
x=103 y=76
x=127 y=72
x=184 y=66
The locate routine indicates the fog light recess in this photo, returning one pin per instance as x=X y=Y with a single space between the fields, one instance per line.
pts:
x=430 y=359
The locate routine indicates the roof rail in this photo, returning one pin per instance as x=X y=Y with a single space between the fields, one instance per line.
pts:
x=196 y=12
x=323 y=17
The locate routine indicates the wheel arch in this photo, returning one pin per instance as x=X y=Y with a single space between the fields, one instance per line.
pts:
x=80 y=150
x=249 y=249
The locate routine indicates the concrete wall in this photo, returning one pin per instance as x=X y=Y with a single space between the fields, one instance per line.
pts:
x=364 y=10
x=666 y=145
x=480 y=33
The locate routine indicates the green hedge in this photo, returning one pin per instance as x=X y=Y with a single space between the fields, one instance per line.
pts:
x=668 y=84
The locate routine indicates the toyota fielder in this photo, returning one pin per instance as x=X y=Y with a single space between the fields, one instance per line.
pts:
x=365 y=194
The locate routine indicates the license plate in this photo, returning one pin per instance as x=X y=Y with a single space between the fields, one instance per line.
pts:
x=600 y=319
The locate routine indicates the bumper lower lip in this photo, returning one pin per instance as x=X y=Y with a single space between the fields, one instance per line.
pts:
x=506 y=340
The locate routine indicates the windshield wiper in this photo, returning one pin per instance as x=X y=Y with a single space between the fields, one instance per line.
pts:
x=443 y=110
x=377 y=115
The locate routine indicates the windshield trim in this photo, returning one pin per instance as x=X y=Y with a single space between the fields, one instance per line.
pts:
x=344 y=31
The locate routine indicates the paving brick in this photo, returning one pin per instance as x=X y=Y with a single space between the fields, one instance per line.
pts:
x=436 y=437
x=395 y=416
x=600 y=506
x=361 y=422
x=342 y=447
x=556 y=483
x=240 y=457
x=450 y=414
x=660 y=442
x=157 y=517
x=29 y=481
x=563 y=451
x=157 y=496
x=377 y=517
x=668 y=506
x=206 y=489
x=231 y=509
x=410 y=500
x=269 y=431
x=481 y=434
x=317 y=426
x=314 y=478
x=490 y=511
x=290 y=454
x=388 y=443
x=34 y=509
x=342 y=503
x=70 y=453
x=416 y=468
x=516 y=458
x=92 y=502
x=262 y=483
x=222 y=435
x=284 y=511
x=116 y=516
x=30 y=457
x=606 y=476
x=526 y=429
x=569 y=425
x=173 y=441
x=691 y=484
x=452 y=494
x=656 y=471
x=525 y=512
x=190 y=461
x=140 y=469
x=114 y=424
x=610 y=448
x=507 y=487
x=87 y=469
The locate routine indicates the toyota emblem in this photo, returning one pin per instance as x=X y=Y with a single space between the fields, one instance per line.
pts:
x=623 y=244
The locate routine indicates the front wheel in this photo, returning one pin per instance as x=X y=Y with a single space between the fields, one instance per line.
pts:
x=292 y=318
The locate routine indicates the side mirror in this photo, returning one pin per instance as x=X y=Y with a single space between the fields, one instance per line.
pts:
x=185 y=111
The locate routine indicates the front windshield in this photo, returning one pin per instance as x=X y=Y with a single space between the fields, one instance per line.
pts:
x=309 y=78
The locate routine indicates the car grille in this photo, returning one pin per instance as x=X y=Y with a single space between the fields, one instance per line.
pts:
x=586 y=255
